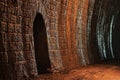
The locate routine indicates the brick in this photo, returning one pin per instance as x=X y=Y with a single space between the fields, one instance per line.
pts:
x=3 y=26
x=11 y=28
x=15 y=46
x=53 y=40
x=18 y=28
x=19 y=56
x=53 y=46
x=15 y=37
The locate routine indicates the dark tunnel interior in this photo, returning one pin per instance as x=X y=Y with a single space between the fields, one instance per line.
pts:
x=105 y=31
x=41 y=45
x=116 y=38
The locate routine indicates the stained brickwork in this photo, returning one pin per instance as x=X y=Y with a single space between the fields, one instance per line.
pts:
x=65 y=22
x=81 y=36
x=16 y=31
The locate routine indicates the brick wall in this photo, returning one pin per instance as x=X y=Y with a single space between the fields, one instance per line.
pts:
x=49 y=10
x=81 y=32
x=65 y=22
x=18 y=60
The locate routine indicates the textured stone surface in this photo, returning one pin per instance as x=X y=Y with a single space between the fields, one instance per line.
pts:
x=75 y=30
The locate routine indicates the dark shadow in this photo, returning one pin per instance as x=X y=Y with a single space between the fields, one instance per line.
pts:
x=104 y=36
x=116 y=38
x=15 y=3
x=41 y=45
x=93 y=45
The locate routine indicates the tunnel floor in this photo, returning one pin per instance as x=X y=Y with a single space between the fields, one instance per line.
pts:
x=91 y=72
x=95 y=72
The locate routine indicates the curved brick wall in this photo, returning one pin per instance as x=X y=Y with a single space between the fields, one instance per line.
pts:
x=71 y=34
x=65 y=23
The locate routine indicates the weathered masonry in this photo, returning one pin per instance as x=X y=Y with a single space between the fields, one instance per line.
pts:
x=48 y=36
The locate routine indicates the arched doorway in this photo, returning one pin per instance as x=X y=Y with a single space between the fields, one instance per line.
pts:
x=41 y=45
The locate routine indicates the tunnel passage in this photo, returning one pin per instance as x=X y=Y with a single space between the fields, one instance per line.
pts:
x=41 y=45
x=116 y=37
x=105 y=31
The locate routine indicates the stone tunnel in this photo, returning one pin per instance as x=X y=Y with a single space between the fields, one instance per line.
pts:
x=59 y=40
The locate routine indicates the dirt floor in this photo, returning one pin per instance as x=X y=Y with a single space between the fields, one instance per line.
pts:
x=91 y=72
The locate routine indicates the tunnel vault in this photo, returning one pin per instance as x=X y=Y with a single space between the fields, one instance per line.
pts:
x=73 y=42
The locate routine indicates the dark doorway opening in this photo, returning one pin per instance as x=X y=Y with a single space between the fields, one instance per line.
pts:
x=41 y=45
